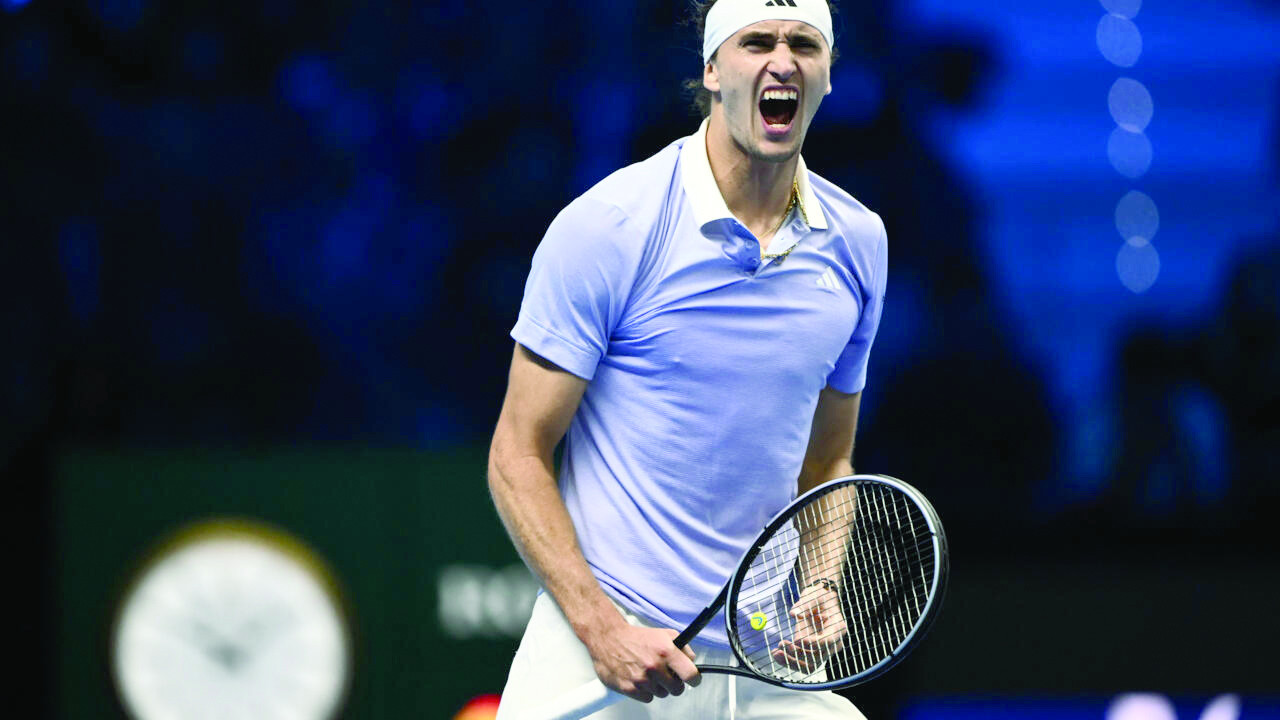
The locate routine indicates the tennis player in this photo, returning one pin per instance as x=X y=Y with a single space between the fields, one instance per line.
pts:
x=696 y=327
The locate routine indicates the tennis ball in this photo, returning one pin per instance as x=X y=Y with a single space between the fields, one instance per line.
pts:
x=759 y=620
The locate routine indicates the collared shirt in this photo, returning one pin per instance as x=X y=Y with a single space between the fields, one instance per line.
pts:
x=704 y=364
x=708 y=204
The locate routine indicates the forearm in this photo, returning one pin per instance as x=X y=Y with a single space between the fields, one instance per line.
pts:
x=533 y=511
x=823 y=542
x=813 y=474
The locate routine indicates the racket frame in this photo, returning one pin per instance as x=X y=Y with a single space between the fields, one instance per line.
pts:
x=595 y=696
x=728 y=595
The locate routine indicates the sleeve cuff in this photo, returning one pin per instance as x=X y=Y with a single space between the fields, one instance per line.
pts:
x=546 y=344
x=848 y=380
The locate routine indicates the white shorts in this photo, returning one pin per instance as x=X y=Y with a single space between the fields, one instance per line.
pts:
x=552 y=661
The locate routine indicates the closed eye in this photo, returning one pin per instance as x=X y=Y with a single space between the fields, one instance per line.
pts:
x=798 y=43
x=802 y=42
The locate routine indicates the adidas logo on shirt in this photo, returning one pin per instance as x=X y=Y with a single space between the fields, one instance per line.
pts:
x=780 y=3
x=827 y=280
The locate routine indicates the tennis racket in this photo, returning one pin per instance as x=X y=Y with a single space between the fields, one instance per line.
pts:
x=837 y=589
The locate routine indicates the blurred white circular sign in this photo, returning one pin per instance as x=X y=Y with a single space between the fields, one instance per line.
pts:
x=232 y=619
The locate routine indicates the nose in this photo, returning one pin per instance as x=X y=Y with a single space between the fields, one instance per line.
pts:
x=782 y=62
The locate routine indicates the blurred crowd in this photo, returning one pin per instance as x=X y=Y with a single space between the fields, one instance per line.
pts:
x=290 y=223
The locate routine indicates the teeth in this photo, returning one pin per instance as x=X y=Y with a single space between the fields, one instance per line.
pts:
x=788 y=94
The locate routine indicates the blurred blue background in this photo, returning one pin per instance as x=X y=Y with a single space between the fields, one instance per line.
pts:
x=299 y=227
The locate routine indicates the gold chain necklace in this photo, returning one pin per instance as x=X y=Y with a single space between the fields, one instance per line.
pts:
x=791 y=205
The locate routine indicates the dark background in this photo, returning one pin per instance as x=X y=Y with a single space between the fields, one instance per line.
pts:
x=261 y=259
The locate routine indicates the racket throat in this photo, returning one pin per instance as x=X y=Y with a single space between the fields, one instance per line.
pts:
x=703 y=618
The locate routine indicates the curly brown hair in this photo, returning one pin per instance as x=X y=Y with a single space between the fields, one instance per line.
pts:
x=700 y=97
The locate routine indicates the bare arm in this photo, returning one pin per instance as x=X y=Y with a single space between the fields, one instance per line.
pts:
x=830 y=451
x=540 y=402
x=820 y=623
x=829 y=456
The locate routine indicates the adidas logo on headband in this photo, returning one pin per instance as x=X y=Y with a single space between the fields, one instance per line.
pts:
x=727 y=17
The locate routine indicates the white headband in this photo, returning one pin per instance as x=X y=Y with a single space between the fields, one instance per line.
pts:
x=727 y=17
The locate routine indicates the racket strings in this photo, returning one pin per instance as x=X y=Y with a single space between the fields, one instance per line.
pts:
x=889 y=575
x=838 y=589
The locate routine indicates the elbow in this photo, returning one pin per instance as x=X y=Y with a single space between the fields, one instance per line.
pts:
x=505 y=459
x=498 y=455
x=518 y=463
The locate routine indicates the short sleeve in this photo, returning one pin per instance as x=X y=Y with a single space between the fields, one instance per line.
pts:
x=850 y=374
x=578 y=285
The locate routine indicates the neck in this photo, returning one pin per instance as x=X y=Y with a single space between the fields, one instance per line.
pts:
x=756 y=191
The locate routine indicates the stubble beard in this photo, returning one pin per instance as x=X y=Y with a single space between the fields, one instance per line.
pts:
x=754 y=148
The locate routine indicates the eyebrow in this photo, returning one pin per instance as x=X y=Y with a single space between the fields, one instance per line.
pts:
x=792 y=36
x=803 y=35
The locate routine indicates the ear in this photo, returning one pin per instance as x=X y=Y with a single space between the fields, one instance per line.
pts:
x=710 y=78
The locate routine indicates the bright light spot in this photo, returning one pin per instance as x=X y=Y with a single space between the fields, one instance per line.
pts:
x=1123 y=8
x=1119 y=40
x=1130 y=104
x=1138 y=265
x=13 y=5
x=1129 y=153
x=1223 y=707
x=1136 y=215
x=484 y=707
x=1141 y=706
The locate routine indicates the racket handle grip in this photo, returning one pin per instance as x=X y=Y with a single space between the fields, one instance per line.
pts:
x=578 y=703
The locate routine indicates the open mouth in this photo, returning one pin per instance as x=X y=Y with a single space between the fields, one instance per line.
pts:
x=778 y=107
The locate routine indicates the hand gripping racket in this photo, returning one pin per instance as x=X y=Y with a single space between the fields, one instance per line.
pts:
x=838 y=588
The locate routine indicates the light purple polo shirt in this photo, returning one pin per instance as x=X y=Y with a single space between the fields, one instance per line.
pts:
x=705 y=364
